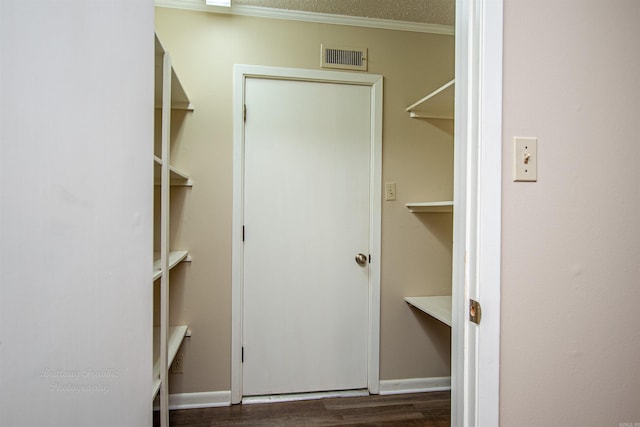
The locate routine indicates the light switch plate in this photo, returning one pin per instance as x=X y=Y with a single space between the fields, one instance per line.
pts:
x=525 y=157
x=390 y=191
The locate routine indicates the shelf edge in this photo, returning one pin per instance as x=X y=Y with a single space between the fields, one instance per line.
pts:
x=431 y=95
x=416 y=114
x=434 y=207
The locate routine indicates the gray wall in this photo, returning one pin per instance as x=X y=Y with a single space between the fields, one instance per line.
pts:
x=571 y=241
x=76 y=210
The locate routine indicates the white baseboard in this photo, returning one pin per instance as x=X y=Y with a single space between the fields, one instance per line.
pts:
x=415 y=385
x=223 y=398
x=208 y=399
x=294 y=397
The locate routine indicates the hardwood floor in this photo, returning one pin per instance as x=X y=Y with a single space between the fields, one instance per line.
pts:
x=411 y=410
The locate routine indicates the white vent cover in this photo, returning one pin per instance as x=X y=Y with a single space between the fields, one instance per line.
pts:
x=343 y=58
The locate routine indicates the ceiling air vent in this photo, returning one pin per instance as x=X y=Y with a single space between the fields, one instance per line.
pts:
x=343 y=58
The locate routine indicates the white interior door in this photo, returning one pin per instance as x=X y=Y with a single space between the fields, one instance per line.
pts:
x=307 y=159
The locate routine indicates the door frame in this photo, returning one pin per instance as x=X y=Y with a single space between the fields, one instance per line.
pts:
x=240 y=74
x=477 y=216
x=475 y=376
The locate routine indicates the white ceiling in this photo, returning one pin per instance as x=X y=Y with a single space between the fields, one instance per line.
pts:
x=441 y=12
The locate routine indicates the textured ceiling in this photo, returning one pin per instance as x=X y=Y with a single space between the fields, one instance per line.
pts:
x=425 y=11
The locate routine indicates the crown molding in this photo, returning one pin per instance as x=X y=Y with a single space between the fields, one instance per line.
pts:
x=296 y=15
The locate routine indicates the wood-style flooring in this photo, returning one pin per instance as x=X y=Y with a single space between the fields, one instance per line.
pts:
x=411 y=410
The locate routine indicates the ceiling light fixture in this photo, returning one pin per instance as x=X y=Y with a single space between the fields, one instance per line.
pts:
x=226 y=3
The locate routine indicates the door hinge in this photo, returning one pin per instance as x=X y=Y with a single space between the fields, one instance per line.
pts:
x=475 y=311
x=244 y=113
x=242 y=355
x=243 y=233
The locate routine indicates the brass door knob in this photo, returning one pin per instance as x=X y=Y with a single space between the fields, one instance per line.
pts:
x=361 y=259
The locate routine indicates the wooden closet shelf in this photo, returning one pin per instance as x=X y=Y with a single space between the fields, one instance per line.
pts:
x=438 y=307
x=179 y=98
x=175 y=257
x=439 y=104
x=417 y=207
x=177 y=178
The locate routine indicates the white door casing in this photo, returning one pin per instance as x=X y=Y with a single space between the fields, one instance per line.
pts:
x=373 y=84
x=475 y=376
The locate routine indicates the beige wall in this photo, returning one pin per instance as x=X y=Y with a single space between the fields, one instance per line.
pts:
x=571 y=242
x=417 y=155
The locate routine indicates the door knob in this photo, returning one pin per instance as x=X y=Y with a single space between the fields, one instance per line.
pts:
x=361 y=259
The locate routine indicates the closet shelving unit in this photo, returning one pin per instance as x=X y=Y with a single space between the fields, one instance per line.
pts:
x=438 y=105
x=169 y=95
x=435 y=105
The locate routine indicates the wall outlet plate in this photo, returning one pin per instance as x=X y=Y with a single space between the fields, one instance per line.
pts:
x=177 y=367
